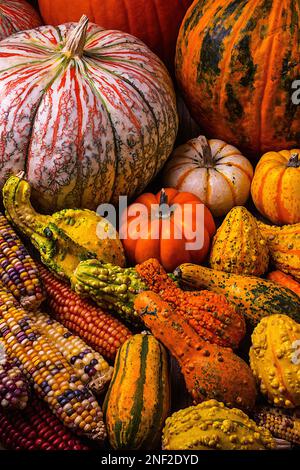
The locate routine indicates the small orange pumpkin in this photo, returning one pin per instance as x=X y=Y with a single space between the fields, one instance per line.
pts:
x=180 y=210
x=275 y=186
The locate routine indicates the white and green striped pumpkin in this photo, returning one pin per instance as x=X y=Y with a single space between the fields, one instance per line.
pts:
x=89 y=114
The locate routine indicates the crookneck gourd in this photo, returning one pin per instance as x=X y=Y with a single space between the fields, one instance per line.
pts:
x=211 y=315
x=212 y=426
x=209 y=370
x=284 y=247
x=275 y=359
x=238 y=246
x=64 y=238
x=253 y=296
x=138 y=399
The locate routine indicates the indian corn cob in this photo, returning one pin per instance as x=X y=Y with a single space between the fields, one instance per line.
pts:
x=89 y=365
x=104 y=333
x=18 y=271
x=52 y=376
x=14 y=388
x=36 y=428
x=283 y=424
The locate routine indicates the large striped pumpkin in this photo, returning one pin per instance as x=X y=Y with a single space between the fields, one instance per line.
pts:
x=236 y=62
x=87 y=113
x=16 y=15
x=138 y=400
x=156 y=22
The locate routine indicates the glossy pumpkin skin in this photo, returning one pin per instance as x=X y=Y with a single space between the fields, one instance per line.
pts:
x=214 y=171
x=138 y=399
x=274 y=360
x=236 y=62
x=90 y=125
x=155 y=22
x=166 y=248
x=275 y=188
x=17 y=15
x=238 y=246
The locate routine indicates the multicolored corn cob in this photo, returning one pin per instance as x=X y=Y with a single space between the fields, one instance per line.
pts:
x=282 y=424
x=36 y=428
x=100 y=330
x=18 y=271
x=88 y=364
x=52 y=376
x=14 y=388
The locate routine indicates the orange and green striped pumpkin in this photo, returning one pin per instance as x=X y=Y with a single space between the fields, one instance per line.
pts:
x=138 y=399
x=87 y=113
x=236 y=62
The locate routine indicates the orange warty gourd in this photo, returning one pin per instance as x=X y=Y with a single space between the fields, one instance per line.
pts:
x=156 y=22
x=154 y=232
x=275 y=186
x=17 y=15
x=236 y=62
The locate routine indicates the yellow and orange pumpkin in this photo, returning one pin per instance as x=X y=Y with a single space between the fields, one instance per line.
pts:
x=87 y=113
x=214 y=171
x=236 y=62
x=17 y=15
x=275 y=187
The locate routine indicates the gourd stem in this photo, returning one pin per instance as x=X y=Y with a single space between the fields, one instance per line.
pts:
x=294 y=161
x=208 y=160
x=164 y=209
x=76 y=38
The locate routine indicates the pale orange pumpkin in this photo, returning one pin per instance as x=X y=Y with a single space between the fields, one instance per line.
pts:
x=275 y=187
x=213 y=170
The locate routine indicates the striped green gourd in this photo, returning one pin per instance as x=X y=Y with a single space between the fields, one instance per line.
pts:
x=138 y=399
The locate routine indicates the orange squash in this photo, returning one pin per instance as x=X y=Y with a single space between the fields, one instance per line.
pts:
x=140 y=243
x=275 y=186
x=156 y=22
x=285 y=280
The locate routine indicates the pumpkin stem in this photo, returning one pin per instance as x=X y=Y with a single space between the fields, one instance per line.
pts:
x=164 y=209
x=76 y=38
x=208 y=160
x=294 y=161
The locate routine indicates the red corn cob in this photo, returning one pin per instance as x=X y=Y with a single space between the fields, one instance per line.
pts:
x=99 y=329
x=36 y=428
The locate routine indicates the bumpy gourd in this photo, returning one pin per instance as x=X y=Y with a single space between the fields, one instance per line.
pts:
x=253 y=296
x=275 y=359
x=138 y=400
x=212 y=426
x=64 y=238
x=284 y=247
x=111 y=287
x=238 y=246
x=209 y=370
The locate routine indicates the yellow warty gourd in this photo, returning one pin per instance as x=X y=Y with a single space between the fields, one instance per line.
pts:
x=238 y=246
x=212 y=426
x=275 y=359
